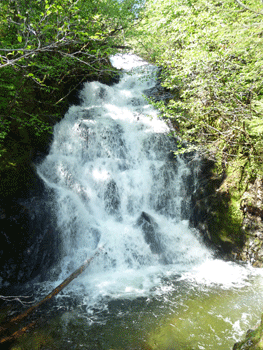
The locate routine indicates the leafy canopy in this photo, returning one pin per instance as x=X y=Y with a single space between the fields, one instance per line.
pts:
x=210 y=52
x=45 y=44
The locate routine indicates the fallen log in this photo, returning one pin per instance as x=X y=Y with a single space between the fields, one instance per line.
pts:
x=18 y=333
x=54 y=292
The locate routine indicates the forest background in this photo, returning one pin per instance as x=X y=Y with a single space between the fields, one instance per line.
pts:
x=48 y=48
x=211 y=58
x=210 y=53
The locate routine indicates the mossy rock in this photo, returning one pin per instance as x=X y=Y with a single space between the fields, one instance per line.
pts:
x=216 y=209
x=253 y=339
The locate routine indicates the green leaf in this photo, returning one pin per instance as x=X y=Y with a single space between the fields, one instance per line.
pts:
x=19 y=38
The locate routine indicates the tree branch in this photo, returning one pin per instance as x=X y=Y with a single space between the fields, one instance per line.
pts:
x=29 y=311
x=247 y=8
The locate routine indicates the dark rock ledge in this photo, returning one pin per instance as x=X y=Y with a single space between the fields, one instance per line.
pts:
x=29 y=240
x=229 y=220
x=252 y=208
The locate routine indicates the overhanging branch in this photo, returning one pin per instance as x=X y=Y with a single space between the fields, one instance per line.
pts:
x=247 y=8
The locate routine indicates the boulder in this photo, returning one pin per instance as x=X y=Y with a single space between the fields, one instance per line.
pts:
x=150 y=230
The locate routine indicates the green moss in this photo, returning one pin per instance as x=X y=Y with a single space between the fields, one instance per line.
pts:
x=252 y=341
x=39 y=340
x=225 y=218
x=226 y=231
x=255 y=126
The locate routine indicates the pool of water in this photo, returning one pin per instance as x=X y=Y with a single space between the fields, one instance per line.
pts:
x=194 y=310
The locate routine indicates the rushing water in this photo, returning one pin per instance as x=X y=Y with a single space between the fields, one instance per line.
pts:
x=154 y=285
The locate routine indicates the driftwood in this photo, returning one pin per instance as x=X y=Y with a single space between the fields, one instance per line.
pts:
x=54 y=292
x=18 y=333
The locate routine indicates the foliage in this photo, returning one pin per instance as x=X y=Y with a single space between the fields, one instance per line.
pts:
x=210 y=52
x=44 y=45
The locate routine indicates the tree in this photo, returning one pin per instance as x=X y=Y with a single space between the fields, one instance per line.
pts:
x=72 y=28
x=43 y=45
x=210 y=52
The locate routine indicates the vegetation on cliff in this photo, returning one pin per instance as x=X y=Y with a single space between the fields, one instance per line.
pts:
x=210 y=52
x=47 y=49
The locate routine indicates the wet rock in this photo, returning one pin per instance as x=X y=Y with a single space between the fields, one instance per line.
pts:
x=252 y=201
x=252 y=207
x=150 y=231
x=253 y=339
x=29 y=241
x=235 y=234
x=209 y=208
x=112 y=199
x=158 y=92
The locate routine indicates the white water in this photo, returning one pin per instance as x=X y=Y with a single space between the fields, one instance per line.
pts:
x=108 y=164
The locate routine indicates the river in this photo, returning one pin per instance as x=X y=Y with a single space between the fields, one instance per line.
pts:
x=115 y=187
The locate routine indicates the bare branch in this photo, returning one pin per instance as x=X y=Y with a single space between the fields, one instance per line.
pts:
x=78 y=59
x=17 y=298
x=248 y=8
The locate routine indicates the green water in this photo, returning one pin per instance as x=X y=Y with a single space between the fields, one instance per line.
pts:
x=181 y=315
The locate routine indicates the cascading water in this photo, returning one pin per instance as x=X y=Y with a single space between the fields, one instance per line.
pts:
x=116 y=186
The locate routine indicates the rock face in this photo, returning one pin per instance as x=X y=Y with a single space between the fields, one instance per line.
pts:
x=236 y=235
x=29 y=241
x=252 y=207
x=158 y=92
x=150 y=230
x=153 y=237
x=236 y=231
x=210 y=210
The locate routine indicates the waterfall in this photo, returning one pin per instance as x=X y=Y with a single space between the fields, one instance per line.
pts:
x=116 y=185
x=116 y=188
